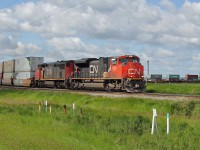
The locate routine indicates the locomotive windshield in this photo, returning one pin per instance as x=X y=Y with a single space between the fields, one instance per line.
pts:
x=126 y=60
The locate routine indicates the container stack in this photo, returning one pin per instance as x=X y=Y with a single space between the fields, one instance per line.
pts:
x=8 y=72
x=25 y=70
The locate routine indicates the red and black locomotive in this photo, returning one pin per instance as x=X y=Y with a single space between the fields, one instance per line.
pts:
x=111 y=73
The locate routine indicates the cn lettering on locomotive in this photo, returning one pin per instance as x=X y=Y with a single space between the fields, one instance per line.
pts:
x=134 y=71
x=93 y=69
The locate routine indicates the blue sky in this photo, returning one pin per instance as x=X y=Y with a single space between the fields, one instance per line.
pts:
x=165 y=32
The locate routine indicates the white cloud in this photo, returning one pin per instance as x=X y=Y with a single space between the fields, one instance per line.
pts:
x=196 y=57
x=164 y=53
x=21 y=50
x=157 y=32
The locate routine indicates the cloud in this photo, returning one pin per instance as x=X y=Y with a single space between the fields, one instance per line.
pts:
x=164 y=53
x=167 y=4
x=21 y=50
x=163 y=32
x=196 y=57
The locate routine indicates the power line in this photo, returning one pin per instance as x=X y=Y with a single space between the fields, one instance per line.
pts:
x=49 y=16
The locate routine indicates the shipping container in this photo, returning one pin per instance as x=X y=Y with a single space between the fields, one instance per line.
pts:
x=23 y=78
x=7 y=79
x=22 y=82
x=8 y=66
x=1 y=67
x=156 y=77
x=28 y=64
x=7 y=82
x=189 y=77
x=24 y=75
x=174 y=77
x=8 y=75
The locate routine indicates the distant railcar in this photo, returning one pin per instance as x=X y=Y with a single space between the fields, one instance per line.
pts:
x=156 y=77
x=190 y=77
x=174 y=78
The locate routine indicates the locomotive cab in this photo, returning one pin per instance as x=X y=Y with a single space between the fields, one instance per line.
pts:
x=129 y=70
x=126 y=67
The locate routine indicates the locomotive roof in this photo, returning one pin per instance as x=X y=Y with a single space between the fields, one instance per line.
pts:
x=58 y=62
x=84 y=60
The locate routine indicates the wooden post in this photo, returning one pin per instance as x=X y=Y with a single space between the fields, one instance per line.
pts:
x=81 y=111
x=65 y=109
x=40 y=106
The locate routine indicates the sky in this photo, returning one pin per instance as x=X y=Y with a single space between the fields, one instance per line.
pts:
x=164 y=32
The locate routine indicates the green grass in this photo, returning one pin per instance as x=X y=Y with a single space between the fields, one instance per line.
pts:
x=174 y=88
x=103 y=123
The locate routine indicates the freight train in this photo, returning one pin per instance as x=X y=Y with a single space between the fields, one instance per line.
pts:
x=124 y=73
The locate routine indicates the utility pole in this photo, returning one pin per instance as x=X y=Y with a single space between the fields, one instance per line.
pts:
x=148 y=67
x=147 y=70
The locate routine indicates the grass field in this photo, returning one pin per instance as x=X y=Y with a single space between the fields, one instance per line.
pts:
x=174 y=88
x=97 y=123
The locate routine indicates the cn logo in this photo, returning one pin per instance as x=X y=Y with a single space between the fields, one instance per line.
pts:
x=134 y=71
x=93 y=69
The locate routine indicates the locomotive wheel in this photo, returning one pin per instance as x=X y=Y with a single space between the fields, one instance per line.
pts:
x=107 y=87
x=77 y=86
x=72 y=85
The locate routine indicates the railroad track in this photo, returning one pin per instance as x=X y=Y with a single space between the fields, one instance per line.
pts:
x=152 y=96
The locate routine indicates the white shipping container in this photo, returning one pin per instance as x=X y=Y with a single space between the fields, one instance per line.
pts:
x=1 y=67
x=18 y=82
x=7 y=78
x=8 y=66
x=28 y=64
x=24 y=75
x=8 y=75
x=22 y=82
x=6 y=82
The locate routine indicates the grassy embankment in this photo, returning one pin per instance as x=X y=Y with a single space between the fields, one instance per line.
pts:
x=104 y=123
x=174 y=88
